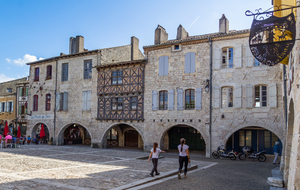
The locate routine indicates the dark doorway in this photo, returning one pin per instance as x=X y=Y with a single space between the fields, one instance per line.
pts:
x=76 y=134
x=131 y=138
x=193 y=138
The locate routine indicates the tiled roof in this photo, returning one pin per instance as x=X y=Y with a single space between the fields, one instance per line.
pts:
x=199 y=37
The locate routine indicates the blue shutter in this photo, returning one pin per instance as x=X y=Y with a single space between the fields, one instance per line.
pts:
x=179 y=99
x=65 y=106
x=57 y=102
x=187 y=65
x=161 y=66
x=0 y=106
x=198 y=98
x=12 y=106
x=166 y=65
x=154 y=100
x=193 y=60
x=171 y=99
x=89 y=98
x=4 y=106
x=85 y=73
x=84 y=100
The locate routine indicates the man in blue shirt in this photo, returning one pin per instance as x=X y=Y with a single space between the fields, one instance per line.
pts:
x=276 y=152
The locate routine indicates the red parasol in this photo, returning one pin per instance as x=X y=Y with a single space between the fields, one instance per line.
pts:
x=42 y=132
x=19 y=132
x=5 y=129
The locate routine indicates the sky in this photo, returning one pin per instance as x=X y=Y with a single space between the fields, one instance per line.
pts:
x=32 y=30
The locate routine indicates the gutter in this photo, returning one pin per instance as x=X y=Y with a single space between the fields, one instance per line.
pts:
x=54 y=126
x=210 y=93
x=285 y=96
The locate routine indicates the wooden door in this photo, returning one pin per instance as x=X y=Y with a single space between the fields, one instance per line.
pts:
x=131 y=138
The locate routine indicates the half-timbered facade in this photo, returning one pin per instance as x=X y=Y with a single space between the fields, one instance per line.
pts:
x=121 y=91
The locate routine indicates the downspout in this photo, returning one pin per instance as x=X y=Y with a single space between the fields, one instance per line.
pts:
x=210 y=93
x=16 y=104
x=54 y=126
x=285 y=96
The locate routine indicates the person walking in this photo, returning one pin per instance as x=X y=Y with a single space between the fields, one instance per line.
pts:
x=155 y=151
x=276 y=152
x=184 y=157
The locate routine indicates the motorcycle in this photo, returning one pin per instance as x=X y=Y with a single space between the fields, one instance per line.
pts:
x=220 y=152
x=248 y=152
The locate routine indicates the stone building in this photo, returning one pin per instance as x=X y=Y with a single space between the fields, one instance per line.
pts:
x=246 y=96
x=8 y=104
x=63 y=92
x=22 y=103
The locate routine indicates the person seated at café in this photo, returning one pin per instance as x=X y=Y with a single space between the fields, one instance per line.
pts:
x=24 y=139
x=8 y=136
x=14 y=139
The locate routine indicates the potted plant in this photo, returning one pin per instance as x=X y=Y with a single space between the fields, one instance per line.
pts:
x=51 y=141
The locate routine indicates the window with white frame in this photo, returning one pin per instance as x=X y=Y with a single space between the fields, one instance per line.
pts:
x=117 y=103
x=227 y=97
x=10 y=106
x=163 y=100
x=260 y=96
x=117 y=77
x=2 y=106
x=87 y=69
x=227 y=58
x=133 y=102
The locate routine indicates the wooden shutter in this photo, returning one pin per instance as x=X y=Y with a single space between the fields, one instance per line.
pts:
x=249 y=96
x=4 y=106
x=21 y=92
x=57 y=102
x=179 y=99
x=238 y=56
x=0 y=106
x=84 y=98
x=161 y=66
x=166 y=65
x=198 y=98
x=154 y=100
x=171 y=95
x=193 y=62
x=216 y=96
x=237 y=96
x=26 y=91
x=187 y=64
x=89 y=98
x=273 y=95
x=249 y=57
x=65 y=106
x=20 y=110
x=217 y=58
x=65 y=72
x=12 y=106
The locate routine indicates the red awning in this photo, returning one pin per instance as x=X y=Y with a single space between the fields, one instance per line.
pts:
x=19 y=132
x=5 y=129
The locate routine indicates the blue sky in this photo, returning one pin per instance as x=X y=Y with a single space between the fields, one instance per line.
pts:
x=31 y=30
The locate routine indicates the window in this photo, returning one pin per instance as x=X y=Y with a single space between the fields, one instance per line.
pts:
x=249 y=138
x=256 y=63
x=227 y=97
x=112 y=134
x=117 y=77
x=163 y=100
x=227 y=58
x=163 y=65
x=64 y=72
x=48 y=102
x=133 y=103
x=62 y=101
x=2 y=106
x=49 y=72
x=86 y=100
x=260 y=96
x=87 y=69
x=189 y=99
x=35 y=103
x=36 y=74
x=176 y=46
x=189 y=66
x=10 y=106
x=117 y=104
x=9 y=90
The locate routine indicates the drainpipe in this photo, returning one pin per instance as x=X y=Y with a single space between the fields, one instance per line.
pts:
x=54 y=142
x=285 y=96
x=210 y=93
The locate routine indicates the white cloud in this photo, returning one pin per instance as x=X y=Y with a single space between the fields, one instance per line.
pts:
x=4 y=78
x=26 y=59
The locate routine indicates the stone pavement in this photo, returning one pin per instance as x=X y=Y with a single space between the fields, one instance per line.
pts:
x=47 y=167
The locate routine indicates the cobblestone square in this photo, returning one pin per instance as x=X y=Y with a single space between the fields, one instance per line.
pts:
x=77 y=167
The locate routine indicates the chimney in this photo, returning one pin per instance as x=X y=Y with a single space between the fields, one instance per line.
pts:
x=134 y=48
x=181 y=33
x=76 y=44
x=223 y=24
x=160 y=35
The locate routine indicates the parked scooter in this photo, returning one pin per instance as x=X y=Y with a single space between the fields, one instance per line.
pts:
x=220 y=152
x=248 y=152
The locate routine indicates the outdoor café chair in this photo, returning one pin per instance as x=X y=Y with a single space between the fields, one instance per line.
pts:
x=8 y=143
x=28 y=142
x=17 y=144
x=2 y=143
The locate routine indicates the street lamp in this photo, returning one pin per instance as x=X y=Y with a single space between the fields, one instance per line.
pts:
x=207 y=86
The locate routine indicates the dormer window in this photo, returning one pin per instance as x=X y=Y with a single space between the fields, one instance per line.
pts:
x=9 y=90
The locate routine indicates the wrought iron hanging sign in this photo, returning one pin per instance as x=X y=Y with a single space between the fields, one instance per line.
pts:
x=272 y=39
